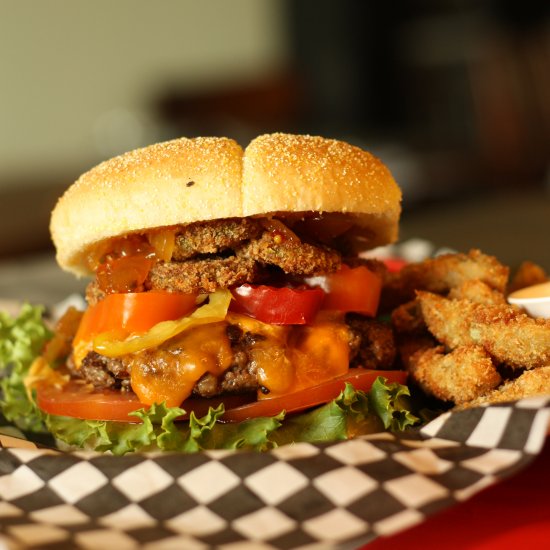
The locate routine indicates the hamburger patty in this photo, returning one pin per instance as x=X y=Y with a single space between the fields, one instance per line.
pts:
x=101 y=372
x=371 y=345
x=240 y=377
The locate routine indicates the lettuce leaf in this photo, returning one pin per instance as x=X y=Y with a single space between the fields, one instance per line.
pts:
x=21 y=341
x=392 y=405
x=159 y=431
x=352 y=413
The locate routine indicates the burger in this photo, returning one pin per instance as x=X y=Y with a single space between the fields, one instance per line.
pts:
x=228 y=306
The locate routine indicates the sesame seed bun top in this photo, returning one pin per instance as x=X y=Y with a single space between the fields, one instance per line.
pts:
x=190 y=180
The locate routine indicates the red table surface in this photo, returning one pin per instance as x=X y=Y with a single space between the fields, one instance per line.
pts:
x=514 y=513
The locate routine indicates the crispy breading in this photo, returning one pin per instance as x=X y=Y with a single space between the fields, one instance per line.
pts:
x=459 y=376
x=527 y=274
x=214 y=236
x=508 y=335
x=441 y=274
x=477 y=291
x=531 y=383
x=202 y=275
x=294 y=257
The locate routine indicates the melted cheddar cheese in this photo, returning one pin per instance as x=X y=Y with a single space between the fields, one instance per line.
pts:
x=286 y=359
x=168 y=374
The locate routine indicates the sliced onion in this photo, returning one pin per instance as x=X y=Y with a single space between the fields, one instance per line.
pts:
x=164 y=242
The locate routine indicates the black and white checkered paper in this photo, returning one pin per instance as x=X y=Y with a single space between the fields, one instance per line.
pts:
x=338 y=495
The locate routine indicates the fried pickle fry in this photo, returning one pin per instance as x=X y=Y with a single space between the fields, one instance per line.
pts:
x=477 y=291
x=441 y=274
x=459 y=376
x=531 y=383
x=509 y=336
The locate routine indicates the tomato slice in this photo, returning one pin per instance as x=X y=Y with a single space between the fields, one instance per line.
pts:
x=350 y=289
x=133 y=312
x=78 y=401
x=278 y=306
x=361 y=379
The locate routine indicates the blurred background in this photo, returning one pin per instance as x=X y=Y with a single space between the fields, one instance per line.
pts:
x=453 y=95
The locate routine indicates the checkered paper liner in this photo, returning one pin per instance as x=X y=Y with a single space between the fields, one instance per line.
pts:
x=339 y=495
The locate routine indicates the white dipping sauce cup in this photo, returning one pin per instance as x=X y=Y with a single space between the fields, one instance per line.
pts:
x=534 y=299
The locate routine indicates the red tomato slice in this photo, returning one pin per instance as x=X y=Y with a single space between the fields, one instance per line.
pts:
x=350 y=289
x=278 y=306
x=361 y=379
x=76 y=400
x=133 y=312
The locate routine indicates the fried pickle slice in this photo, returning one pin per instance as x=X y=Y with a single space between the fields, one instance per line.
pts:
x=214 y=237
x=202 y=275
x=294 y=257
x=529 y=384
x=477 y=291
x=458 y=376
x=508 y=335
x=441 y=274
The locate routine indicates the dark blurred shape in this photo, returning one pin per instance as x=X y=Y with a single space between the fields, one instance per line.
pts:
x=25 y=216
x=347 y=53
x=241 y=112
x=510 y=84
x=465 y=84
x=520 y=16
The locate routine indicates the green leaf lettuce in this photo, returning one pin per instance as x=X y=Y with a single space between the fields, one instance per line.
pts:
x=21 y=341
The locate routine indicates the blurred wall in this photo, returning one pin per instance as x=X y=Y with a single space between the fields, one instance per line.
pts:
x=78 y=78
x=461 y=87
x=453 y=95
